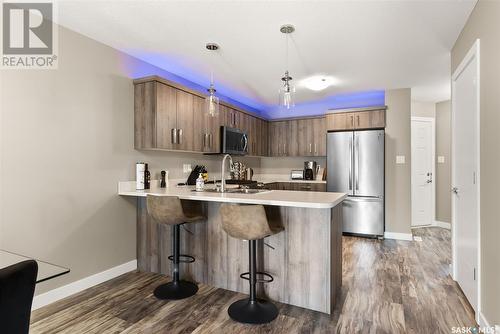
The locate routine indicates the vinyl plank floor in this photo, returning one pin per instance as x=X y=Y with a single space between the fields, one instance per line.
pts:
x=388 y=287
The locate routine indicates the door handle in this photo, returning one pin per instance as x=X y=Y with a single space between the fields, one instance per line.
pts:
x=356 y=164
x=454 y=190
x=350 y=164
x=173 y=136
x=179 y=136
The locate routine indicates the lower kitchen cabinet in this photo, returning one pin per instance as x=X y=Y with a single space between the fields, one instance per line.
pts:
x=297 y=186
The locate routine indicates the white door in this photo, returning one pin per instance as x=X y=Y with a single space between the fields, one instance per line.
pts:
x=465 y=163
x=422 y=171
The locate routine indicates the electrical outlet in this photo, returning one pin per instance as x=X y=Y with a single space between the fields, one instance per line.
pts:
x=186 y=168
x=400 y=159
x=440 y=159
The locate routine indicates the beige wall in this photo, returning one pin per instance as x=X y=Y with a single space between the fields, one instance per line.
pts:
x=397 y=176
x=423 y=109
x=484 y=23
x=443 y=170
x=67 y=139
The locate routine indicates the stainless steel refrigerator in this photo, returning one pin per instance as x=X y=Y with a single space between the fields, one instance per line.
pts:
x=355 y=161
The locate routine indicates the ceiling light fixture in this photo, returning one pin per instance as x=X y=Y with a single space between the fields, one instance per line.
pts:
x=212 y=105
x=287 y=90
x=318 y=82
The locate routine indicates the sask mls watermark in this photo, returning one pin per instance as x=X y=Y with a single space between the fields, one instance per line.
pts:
x=29 y=37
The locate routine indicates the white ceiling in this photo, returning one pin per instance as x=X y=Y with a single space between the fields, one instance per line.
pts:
x=364 y=45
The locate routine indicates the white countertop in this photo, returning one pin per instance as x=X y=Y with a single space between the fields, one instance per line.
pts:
x=302 y=199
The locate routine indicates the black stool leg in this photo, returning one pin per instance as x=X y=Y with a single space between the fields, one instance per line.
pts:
x=177 y=289
x=252 y=310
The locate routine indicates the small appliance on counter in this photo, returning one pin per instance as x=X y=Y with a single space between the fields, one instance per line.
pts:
x=310 y=170
x=297 y=174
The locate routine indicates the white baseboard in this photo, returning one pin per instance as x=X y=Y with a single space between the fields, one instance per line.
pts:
x=398 y=236
x=442 y=224
x=484 y=323
x=80 y=285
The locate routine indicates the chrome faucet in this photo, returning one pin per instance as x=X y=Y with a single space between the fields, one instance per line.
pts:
x=223 y=172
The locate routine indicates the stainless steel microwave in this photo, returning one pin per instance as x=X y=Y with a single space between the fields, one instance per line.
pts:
x=233 y=141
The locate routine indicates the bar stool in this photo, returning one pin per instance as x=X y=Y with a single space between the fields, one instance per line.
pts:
x=249 y=222
x=168 y=210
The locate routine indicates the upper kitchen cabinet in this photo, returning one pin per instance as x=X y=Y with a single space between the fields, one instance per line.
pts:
x=163 y=117
x=356 y=119
x=298 y=137
x=168 y=116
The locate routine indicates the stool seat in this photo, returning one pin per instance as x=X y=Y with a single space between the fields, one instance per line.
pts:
x=168 y=210
x=247 y=222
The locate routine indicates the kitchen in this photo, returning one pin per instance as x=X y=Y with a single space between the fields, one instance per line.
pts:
x=188 y=182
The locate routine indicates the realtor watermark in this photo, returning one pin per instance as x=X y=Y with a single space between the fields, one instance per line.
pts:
x=29 y=35
x=473 y=330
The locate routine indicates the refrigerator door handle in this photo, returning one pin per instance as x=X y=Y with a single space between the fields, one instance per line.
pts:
x=350 y=164
x=356 y=162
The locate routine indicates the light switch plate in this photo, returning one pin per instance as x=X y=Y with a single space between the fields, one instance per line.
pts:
x=400 y=159
x=186 y=168
x=440 y=159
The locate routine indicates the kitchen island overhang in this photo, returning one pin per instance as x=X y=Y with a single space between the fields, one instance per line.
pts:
x=306 y=261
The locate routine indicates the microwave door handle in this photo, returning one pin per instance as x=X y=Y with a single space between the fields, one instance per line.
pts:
x=246 y=142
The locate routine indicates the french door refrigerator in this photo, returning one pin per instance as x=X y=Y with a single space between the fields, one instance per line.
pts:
x=355 y=162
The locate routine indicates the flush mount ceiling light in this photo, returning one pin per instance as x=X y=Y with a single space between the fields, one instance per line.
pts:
x=318 y=82
x=212 y=105
x=287 y=90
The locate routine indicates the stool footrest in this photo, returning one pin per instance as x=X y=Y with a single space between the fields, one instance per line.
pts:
x=183 y=258
x=246 y=276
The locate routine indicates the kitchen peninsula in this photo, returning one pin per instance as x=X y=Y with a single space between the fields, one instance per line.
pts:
x=306 y=261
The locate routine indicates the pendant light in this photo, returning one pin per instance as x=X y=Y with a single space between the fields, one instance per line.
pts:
x=211 y=100
x=287 y=90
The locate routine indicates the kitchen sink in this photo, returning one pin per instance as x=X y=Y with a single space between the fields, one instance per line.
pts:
x=236 y=191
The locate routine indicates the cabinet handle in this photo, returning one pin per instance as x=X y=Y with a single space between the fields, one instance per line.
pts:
x=179 y=136
x=315 y=148
x=358 y=119
x=352 y=121
x=284 y=149
x=204 y=142
x=310 y=148
x=173 y=136
x=210 y=140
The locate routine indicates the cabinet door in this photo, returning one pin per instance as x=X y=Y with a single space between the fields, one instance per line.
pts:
x=283 y=129
x=185 y=121
x=201 y=125
x=340 y=121
x=319 y=137
x=292 y=139
x=377 y=119
x=306 y=137
x=361 y=119
x=273 y=139
x=264 y=149
x=166 y=116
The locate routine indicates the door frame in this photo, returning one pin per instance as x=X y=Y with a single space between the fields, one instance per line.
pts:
x=473 y=53
x=431 y=120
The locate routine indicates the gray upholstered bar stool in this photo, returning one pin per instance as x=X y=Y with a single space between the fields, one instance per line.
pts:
x=249 y=222
x=168 y=210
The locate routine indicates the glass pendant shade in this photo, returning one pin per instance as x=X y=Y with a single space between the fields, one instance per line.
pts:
x=287 y=93
x=212 y=103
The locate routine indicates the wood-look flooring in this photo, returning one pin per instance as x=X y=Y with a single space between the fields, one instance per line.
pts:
x=388 y=287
